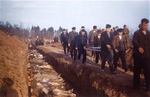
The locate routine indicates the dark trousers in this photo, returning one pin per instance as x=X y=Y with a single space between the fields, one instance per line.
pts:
x=97 y=57
x=139 y=65
x=107 y=56
x=121 y=55
x=65 y=47
x=82 y=52
x=73 y=52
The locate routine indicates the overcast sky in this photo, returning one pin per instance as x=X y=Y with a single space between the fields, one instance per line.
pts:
x=68 y=13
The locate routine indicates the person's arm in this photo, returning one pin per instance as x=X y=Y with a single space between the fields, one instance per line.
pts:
x=137 y=43
x=103 y=42
x=114 y=42
x=69 y=38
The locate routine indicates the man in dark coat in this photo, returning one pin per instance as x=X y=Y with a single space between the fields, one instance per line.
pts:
x=83 y=29
x=72 y=43
x=64 y=40
x=97 y=43
x=141 y=54
x=106 y=47
x=119 y=49
x=82 y=44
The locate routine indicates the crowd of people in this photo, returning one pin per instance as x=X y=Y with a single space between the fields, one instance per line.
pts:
x=116 y=47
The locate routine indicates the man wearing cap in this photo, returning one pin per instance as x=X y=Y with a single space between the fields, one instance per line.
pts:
x=72 y=43
x=141 y=54
x=83 y=29
x=82 y=44
x=119 y=49
x=64 y=40
x=106 y=48
x=92 y=35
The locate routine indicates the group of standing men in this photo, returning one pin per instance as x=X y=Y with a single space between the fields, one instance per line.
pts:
x=116 y=47
x=75 y=43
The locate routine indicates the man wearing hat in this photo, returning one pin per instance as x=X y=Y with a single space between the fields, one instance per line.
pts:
x=82 y=44
x=72 y=43
x=83 y=29
x=141 y=54
x=64 y=40
x=94 y=41
x=92 y=35
x=106 y=48
x=119 y=49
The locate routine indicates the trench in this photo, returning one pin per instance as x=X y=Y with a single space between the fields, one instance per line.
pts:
x=76 y=76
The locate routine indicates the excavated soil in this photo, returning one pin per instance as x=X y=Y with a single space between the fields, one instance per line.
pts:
x=13 y=60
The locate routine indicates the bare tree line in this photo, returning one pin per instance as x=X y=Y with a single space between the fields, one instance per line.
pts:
x=33 y=32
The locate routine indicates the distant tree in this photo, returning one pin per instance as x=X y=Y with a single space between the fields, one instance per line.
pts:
x=50 y=32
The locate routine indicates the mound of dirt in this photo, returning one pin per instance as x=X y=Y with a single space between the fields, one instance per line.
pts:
x=13 y=60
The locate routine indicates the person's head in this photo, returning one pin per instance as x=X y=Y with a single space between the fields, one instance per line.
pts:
x=94 y=27
x=108 y=28
x=103 y=30
x=64 y=31
x=124 y=26
x=82 y=27
x=120 y=31
x=144 y=24
x=74 y=29
x=82 y=32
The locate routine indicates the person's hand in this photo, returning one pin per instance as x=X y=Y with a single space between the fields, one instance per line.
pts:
x=116 y=51
x=84 y=47
x=68 y=44
x=141 y=50
x=108 y=46
x=127 y=50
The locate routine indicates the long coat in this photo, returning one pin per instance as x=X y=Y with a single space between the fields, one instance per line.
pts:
x=106 y=40
x=64 y=38
x=116 y=43
x=127 y=47
x=141 y=40
x=81 y=42
x=72 y=38
x=92 y=35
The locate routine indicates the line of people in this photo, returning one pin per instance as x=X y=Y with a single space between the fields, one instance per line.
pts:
x=75 y=43
x=116 y=48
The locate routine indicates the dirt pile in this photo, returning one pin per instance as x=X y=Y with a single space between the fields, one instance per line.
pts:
x=13 y=60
